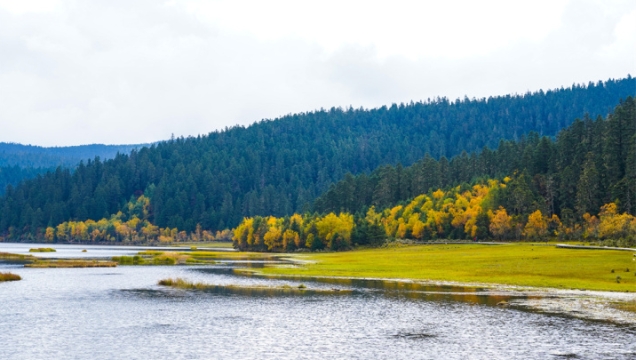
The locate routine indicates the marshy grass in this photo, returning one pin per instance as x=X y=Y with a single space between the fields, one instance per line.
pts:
x=182 y=284
x=41 y=250
x=71 y=264
x=14 y=257
x=129 y=260
x=249 y=290
x=625 y=306
x=7 y=276
x=153 y=257
x=524 y=264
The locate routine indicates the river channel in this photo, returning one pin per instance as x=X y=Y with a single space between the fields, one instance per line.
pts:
x=121 y=313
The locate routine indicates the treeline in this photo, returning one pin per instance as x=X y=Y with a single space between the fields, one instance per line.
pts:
x=279 y=167
x=130 y=226
x=591 y=163
x=465 y=212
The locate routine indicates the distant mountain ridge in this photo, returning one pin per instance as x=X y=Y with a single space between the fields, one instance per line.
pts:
x=31 y=156
x=277 y=167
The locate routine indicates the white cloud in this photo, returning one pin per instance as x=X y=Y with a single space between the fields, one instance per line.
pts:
x=76 y=72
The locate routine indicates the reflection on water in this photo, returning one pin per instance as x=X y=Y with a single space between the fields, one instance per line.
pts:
x=122 y=313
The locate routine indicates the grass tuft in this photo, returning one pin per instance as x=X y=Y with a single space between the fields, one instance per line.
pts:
x=7 y=276
x=182 y=284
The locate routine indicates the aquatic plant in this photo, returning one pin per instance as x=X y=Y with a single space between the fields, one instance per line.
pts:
x=7 y=276
x=182 y=284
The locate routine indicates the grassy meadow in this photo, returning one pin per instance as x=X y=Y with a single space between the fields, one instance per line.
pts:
x=524 y=264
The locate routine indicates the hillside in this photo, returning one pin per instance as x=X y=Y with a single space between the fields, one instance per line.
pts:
x=580 y=187
x=591 y=163
x=276 y=167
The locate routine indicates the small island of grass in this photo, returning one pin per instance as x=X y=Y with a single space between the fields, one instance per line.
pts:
x=70 y=264
x=7 y=276
x=16 y=257
x=42 y=250
x=165 y=258
x=250 y=290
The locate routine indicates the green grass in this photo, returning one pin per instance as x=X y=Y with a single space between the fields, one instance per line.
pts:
x=7 y=276
x=523 y=264
x=42 y=250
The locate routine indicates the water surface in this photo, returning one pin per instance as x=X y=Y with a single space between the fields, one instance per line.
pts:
x=107 y=313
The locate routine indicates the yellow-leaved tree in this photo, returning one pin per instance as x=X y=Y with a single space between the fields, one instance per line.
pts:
x=536 y=227
x=500 y=223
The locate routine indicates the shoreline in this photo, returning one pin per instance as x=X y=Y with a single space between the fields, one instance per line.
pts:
x=583 y=304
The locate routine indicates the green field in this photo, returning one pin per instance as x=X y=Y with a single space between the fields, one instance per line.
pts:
x=523 y=264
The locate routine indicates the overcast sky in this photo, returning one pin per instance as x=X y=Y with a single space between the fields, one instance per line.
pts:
x=120 y=72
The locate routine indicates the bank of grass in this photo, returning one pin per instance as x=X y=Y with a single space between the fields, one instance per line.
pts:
x=212 y=255
x=7 y=276
x=70 y=264
x=16 y=257
x=153 y=257
x=625 y=306
x=248 y=290
x=42 y=250
x=540 y=265
x=181 y=283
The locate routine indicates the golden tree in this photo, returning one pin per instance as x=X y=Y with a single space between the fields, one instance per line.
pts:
x=536 y=227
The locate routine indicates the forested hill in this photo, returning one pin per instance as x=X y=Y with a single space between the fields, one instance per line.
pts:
x=280 y=166
x=591 y=163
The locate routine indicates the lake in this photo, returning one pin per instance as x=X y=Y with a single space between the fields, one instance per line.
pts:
x=108 y=313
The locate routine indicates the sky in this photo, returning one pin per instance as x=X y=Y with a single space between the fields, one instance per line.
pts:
x=126 y=72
